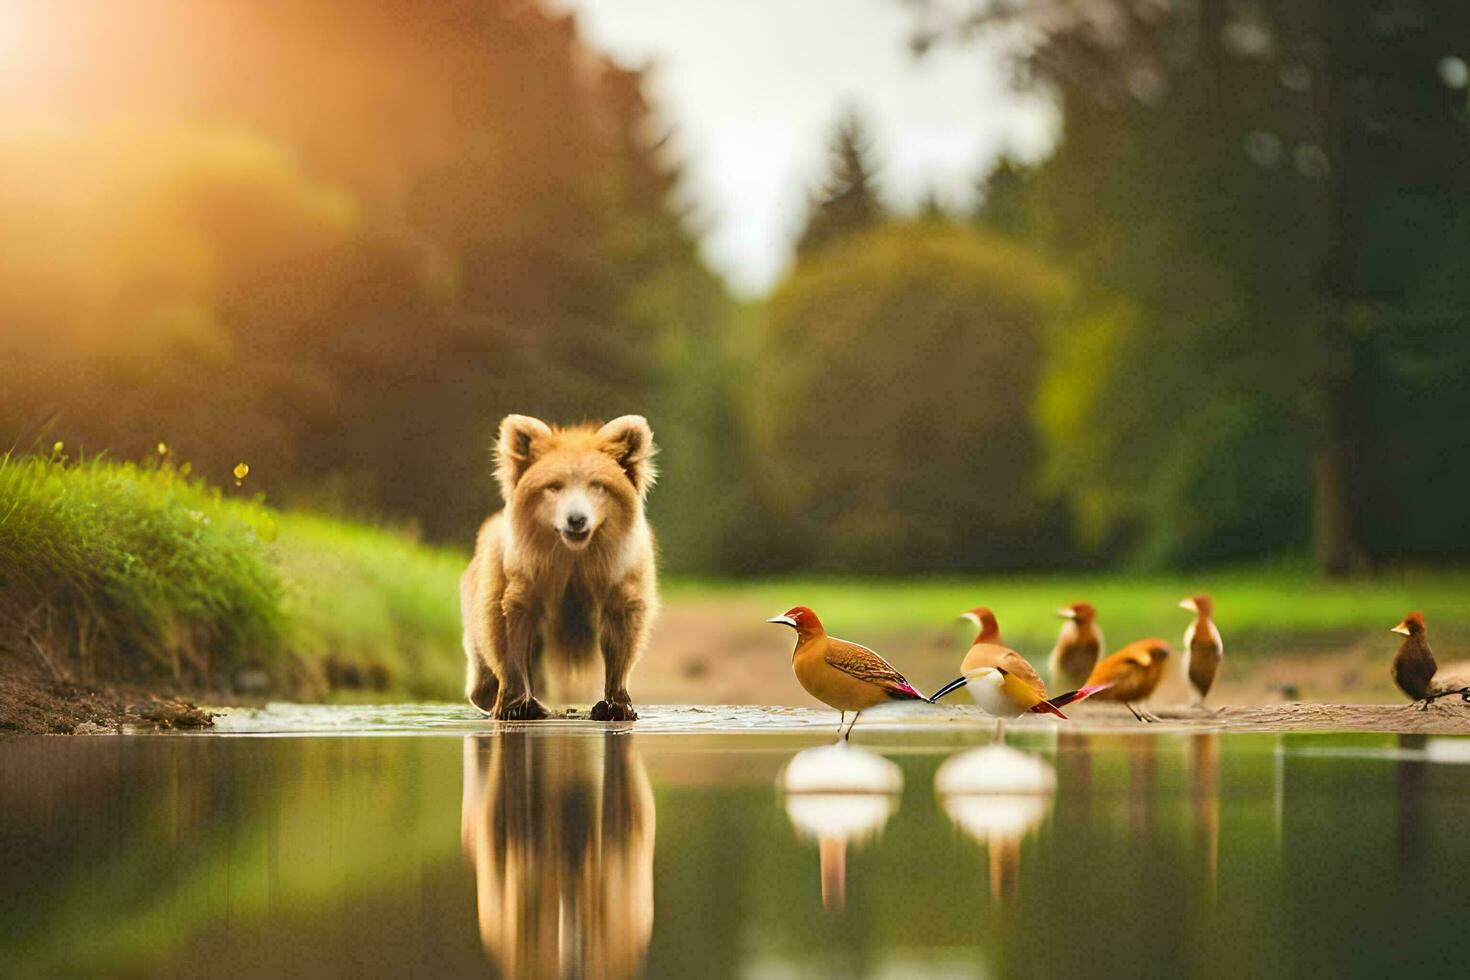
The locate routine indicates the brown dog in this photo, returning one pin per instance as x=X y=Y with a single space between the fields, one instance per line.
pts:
x=566 y=570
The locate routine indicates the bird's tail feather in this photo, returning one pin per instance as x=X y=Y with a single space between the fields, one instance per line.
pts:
x=953 y=685
x=1072 y=697
x=1045 y=707
x=905 y=692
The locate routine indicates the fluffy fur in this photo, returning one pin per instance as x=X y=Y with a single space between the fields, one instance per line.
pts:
x=566 y=571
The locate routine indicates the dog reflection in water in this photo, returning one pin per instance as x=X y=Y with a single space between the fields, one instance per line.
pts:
x=560 y=832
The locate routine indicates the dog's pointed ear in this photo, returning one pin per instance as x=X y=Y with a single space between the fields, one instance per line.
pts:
x=629 y=440
x=517 y=448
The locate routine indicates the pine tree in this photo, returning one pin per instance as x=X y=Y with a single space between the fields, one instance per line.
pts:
x=847 y=199
x=1001 y=197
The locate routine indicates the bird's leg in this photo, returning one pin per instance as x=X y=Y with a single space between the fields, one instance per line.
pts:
x=1000 y=731
x=841 y=719
x=848 y=736
x=1463 y=692
x=1136 y=715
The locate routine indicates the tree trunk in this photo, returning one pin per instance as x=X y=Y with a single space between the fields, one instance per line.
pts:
x=1334 y=520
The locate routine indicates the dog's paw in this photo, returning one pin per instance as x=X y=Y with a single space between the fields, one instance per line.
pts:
x=526 y=709
x=614 y=711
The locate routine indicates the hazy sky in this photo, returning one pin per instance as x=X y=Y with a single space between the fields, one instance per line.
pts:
x=752 y=88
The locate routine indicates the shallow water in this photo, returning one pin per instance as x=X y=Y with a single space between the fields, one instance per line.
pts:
x=668 y=850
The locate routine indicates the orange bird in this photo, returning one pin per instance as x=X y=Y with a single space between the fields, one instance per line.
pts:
x=1078 y=646
x=1203 y=648
x=1001 y=680
x=1415 y=670
x=840 y=674
x=1131 y=674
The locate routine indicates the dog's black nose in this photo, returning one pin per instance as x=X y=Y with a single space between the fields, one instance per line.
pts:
x=576 y=522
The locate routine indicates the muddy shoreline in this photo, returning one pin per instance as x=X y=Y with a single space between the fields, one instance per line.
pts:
x=34 y=703
x=890 y=725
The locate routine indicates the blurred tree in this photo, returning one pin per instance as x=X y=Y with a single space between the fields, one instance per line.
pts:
x=896 y=372
x=380 y=245
x=1241 y=191
x=847 y=200
x=208 y=254
x=1001 y=197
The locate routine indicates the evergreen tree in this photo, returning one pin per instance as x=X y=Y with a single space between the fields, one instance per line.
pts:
x=847 y=200
x=1000 y=200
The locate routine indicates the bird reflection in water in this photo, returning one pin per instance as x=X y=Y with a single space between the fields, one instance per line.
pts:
x=1074 y=770
x=1204 y=793
x=560 y=831
x=839 y=795
x=1143 y=766
x=997 y=795
x=1410 y=773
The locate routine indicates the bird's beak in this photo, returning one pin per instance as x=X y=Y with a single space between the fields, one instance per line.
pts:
x=1066 y=613
x=1401 y=628
x=783 y=620
x=1189 y=604
x=970 y=617
x=955 y=684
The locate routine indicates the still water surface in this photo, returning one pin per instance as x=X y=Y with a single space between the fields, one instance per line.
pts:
x=668 y=851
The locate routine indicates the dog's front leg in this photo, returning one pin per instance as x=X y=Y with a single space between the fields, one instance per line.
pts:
x=516 y=701
x=624 y=632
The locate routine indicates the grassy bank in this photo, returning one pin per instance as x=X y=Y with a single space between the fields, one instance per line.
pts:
x=114 y=572
x=372 y=603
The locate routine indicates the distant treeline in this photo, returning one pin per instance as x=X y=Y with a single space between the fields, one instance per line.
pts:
x=1263 y=211
x=1225 y=318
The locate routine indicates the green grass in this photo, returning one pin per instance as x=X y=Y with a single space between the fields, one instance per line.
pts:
x=373 y=598
x=1259 y=609
x=120 y=572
